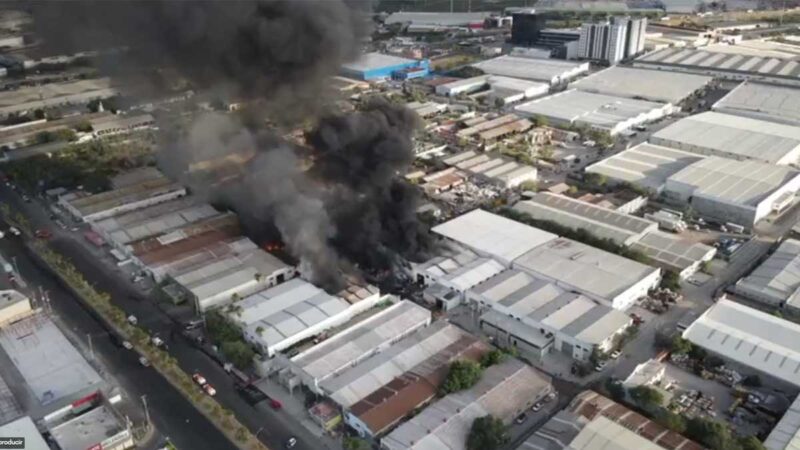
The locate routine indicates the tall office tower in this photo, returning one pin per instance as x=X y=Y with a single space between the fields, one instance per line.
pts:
x=525 y=28
x=634 y=42
x=603 y=41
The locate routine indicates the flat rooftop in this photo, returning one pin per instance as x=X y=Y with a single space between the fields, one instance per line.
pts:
x=737 y=182
x=88 y=429
x=786 y=434
x=372 y=61
x=652 y=85
x=762 y=101
x=493 y=166
x=544 y=303
x=743 y=64
x=362 y=339
x=529 y=68
x=645 y=165
x=154 y=220
x=52 y=368
x=556 y=433
x=287 y=309
x=750 y=337
x=493 y=235
x=464 y=276
x=587 y=269
x=49 y=94
x=576 y=214
x=598 y=110
x=743 y=137
x=777 y=278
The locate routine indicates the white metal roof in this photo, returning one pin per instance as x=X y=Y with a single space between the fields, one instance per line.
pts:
x=727 y=134
x=653 y=85
x=597 y=110
x=786 y=434
x=531 y=68
x=587 y=269
x=229 y=273
x=732 y=181
x=25 y=428
x=778 y=277
x=362 y=339
x=502 y=391
x=745 y=64
x=601 y=222
x=672 y=251
x=646 y=165
x=750 y=337
x=763 y=101
x=493 y=235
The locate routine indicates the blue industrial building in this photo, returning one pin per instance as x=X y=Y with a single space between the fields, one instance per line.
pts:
x=375 y=66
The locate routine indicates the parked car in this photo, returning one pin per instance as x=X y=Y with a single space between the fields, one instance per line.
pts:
x=550 y=397
x=520 y=419
x=132 y=320
x=536 y=407
x=600 y=366
x=615 y=354
x=275 y=404
x=209 y=390
x=15 y=231
x=199 y=379
x=291 y=442
x=144 y=361
x=42 y=233
x=157 y=341
x=127 y=345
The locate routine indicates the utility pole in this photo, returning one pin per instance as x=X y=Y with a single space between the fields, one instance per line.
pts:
x=146 y=411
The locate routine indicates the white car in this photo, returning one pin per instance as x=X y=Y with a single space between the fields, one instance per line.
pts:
x=199 y=379
x=14 y=231
x=157 y=341
x=144 y=361
x=132 y=320
x=600 y=366
x=210 y=390
x=127 y=345
x=615 y=354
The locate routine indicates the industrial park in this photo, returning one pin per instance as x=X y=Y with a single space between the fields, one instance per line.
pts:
x=400 y=224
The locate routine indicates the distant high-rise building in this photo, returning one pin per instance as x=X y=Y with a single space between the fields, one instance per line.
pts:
x=612 y=41
x=634 y=42
x=603 y=41
x=525 y=27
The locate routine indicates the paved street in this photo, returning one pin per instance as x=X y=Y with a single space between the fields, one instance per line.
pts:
x=274 y=428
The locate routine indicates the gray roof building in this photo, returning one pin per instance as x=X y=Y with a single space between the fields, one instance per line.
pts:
x=547 y=70
x=645 y=165
x=777 y=280
x=597 y=111
x=731 y=65
x=786 y=433
x=733 y=137
x=652 y=85
x=503 y=391
x=26 y=429
x=604 y=223
x=762 y=101
x=600 y=275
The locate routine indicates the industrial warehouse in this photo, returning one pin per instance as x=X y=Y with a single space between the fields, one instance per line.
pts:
x=378 y=66
x=776 y=281
x=545 y=70
x=762 y=101
x=595 y=111
x=652 y=85
x=492 y=168
x=734 y=137
x=572 y=324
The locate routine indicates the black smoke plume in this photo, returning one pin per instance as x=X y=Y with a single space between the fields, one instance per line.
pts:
x=351 y=207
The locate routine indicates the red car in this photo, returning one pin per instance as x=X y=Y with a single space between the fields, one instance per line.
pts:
x=43 y=234
x=275 y=404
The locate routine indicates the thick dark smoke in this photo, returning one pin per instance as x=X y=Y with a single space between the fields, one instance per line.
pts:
x=351 y=207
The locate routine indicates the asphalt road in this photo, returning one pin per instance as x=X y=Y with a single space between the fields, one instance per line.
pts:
x=274 y=428
x=169 y=411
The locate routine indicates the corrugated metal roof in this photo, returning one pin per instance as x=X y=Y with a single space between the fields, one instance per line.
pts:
x=777 y=278
x=750 y=337
x=646 y=165
x=531 y=68
x=786 y=434
x=653 y=85
x=763 y=101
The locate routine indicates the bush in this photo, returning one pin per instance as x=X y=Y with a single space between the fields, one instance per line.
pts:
x=646 y=397
x=671 y=281
x=492 y=358
x=672 y=421
x=615 y=389
x=462 y=375
x=239 y=353
x=221 y=329
x=487 y=433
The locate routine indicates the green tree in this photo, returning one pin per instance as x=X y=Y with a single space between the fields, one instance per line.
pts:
x=546 y=152
x=714 y=435
x=646 y=397
x=487 y=433
x=462 y=375
x=671 y=281
x=751 y=443
x=680 y=345
x=596 y=179
x=491 y=358
x=529 y=185
x=239 y=353
x=353 y=443
x=540 y=120
x=672 y=421
x=84 y=127
x=39 y=114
